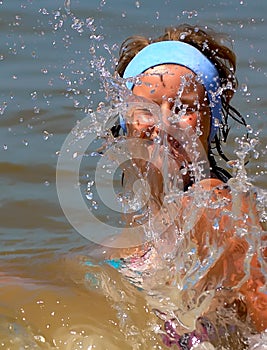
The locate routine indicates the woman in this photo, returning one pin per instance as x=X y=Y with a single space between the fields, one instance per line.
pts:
x=187 y=76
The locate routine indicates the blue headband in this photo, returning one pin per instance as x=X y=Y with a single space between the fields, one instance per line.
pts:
x=183 y=54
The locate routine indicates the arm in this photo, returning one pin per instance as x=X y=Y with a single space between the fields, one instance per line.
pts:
x=238 y=266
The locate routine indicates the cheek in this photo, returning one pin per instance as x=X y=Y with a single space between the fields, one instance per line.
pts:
x=195 y=119
x=189 y=120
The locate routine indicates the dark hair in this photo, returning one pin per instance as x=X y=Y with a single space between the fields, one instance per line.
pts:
x=212 y=45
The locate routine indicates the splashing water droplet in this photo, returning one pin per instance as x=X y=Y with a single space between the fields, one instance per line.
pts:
x=36 y=110
x=67 y=7
x=244 y=87
x=190 y=14
x=216 y=225
x=182 y=36
x=94 y=154
x=34 y=95
x=249 y=129
x=44 y=11
x=216 y=122
x=3 y=107
x=46 y=135
x=94 y=205
x=89 y=196
x=183 y=170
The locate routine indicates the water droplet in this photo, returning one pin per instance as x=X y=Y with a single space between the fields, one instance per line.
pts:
x=94 y=154
x=67 y=6
x=25 y=142
x=94 y=205
x=190 y=14
x=3 y=107
x=5 y=147
x=157 y=139
x=256 y=154
x=77 y=25
x=249 y=129
x=57 y=14
x=89 y=196
x=40 y=338
x=183 y=171
x=34 y=95
x=216 y=122
x=46 y=135
x=216 y=225
x=137 y=4
x=44 y=11
x=244 y=87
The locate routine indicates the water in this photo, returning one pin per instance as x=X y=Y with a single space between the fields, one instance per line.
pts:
x=50 y=56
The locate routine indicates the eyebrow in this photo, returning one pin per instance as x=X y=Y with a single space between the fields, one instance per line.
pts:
x=192 y=97
x=189 y=99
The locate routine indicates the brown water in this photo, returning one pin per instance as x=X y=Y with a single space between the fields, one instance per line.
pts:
x=50 y=298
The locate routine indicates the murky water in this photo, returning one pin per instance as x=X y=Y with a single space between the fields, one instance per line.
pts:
x=51 y=53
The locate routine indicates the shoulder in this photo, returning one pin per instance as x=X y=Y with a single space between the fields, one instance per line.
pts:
x=216 y=187
x=209 y=184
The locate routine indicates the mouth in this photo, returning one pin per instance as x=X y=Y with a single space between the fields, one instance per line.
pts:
x=161 y=139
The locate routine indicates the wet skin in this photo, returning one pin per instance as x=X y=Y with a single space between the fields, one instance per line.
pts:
x=185 y=116
x=162 y=85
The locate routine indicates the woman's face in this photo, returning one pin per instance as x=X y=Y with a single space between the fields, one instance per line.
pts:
x=176 y=91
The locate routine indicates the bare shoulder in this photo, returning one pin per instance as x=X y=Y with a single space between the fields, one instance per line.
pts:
x=209 y=184
x=217 y=187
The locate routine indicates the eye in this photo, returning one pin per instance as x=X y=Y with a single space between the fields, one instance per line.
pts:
x=184 y=109
x=141 y=116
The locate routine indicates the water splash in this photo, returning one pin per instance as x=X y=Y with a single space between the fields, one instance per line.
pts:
x=175 y=260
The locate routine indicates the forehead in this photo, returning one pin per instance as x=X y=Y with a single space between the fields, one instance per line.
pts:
x=168 y=81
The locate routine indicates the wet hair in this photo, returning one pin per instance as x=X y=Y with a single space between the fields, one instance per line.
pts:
x=213 y=46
